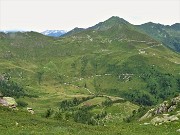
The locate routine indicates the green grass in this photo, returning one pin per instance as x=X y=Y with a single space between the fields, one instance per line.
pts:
x=57 y=69
x=32 y=124
x=94 y=101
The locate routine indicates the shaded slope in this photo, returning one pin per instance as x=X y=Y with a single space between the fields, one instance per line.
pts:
x=169 y=35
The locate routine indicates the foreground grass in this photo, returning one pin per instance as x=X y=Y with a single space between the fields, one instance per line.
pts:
x=23 y=123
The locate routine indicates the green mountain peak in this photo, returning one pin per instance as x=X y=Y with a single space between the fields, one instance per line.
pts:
x=113 y=21
x=116 y=19
x=74 y=31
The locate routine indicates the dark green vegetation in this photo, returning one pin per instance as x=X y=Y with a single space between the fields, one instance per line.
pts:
x=169 y=35
x=91 y=110
x=79 y=80
x=10 y=88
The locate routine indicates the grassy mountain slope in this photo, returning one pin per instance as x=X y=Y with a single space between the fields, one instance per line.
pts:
x=169 y=35
x=112 y=59
x=75 y=30
x=120 y=51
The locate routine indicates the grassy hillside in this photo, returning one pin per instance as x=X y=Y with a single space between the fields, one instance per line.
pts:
x=103 y=74
x=169 y=35
x=20 y=122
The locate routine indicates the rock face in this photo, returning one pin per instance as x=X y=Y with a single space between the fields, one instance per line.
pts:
x=163 y=109
x=149 y=114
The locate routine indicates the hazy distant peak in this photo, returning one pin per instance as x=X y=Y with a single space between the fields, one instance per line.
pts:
x=54 y=33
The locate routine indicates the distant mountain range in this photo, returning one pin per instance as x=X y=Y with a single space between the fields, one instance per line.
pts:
x=54 y=33
x=169 y=35
x=12 y=31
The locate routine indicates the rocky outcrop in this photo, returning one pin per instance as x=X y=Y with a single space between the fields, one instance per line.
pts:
x=149 y=114
x=164 y=119
x=163 y=109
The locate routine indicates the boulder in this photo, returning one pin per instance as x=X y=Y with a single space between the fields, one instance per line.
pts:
x=173 y=118
x=146 y=123
x=3 y=102
x=165 y=119
x=8 y=101
x=156 y=120
x=172 y=108
x=30 y=110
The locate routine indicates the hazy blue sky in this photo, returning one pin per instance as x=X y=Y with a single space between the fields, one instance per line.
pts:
x=39 y=15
